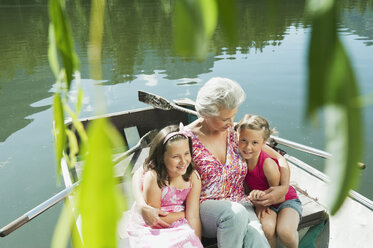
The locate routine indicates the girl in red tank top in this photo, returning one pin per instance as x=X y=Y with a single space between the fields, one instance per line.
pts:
x=263 y=172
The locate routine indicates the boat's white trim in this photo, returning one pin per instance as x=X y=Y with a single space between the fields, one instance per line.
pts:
x=349 y=226
x=65 y=173
x=301 y=147
x=321 y=176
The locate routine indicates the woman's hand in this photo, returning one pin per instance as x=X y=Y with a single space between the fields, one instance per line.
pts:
x=273 y=195
x=152 y=218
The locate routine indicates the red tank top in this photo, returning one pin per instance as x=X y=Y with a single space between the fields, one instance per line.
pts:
x=256 y=178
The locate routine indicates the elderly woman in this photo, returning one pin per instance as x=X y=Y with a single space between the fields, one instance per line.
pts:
x=225 y=211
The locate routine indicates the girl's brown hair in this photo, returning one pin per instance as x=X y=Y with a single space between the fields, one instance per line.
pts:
x=157 y=149
x=256 y=122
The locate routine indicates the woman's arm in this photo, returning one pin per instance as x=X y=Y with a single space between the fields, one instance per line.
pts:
x=272 y=175
x=152 y=195
x=192 y=204
x=276 y=194
x=172 y=217
x=149 y=214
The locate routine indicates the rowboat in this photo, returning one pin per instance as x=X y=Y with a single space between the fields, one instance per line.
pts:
x=316 y=229
x=350 y=227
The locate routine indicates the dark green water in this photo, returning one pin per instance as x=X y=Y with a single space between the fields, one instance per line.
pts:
x=269 y=61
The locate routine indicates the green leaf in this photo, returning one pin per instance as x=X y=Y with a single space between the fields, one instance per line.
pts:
x=96 y=32
x=365 y=100
x=63 y=38
x=79 y=100
x=77 y=124
x=73 y=147
x=209 y=13
x=61 y=232
x=321 y=52
x=116 y=140
x=76 y=239
x=100 y=201
x=320 y=7
x=228 y=17
x=194 y=23
x=52 y=52
x=58 y=129
x=332 y=85
x=345 y=122
x=166 y=7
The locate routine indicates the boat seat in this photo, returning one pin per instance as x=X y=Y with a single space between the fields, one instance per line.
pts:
x=313 y=213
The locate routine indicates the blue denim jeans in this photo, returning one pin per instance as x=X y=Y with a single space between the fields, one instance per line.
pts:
x=295 y=204
x=233 y=224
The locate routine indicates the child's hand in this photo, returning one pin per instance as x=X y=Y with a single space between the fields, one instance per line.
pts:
x=273 y=195
x=256 y=194
x=262 y=211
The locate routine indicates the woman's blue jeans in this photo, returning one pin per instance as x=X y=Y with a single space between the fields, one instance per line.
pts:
x=233 y=224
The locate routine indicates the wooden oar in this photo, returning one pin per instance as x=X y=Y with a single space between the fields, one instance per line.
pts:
x=142 y=143
x=162 y=103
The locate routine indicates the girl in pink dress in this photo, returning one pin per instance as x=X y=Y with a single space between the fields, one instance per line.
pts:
x=263 y=172
x=170 y=184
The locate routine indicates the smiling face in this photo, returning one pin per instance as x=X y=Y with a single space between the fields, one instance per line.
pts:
x=250 y=143
x=223 y=121
x=177 y=157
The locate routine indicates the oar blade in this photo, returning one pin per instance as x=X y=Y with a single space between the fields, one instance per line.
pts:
x=161 y=103
x=154 y=100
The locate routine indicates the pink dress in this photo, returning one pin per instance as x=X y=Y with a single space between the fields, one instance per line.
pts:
x=179 y=234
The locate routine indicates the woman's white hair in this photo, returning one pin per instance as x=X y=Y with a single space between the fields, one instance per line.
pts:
x=217 y=94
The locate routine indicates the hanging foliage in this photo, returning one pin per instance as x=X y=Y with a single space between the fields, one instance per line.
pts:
x=332 y=86
x=62 y=40
x=195 y=22
x=98 y=200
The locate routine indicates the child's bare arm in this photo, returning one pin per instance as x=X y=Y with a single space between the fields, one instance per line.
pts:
x=152 y=192
x=192 y=204
x=276 y=194
x=150 y=214
x=172 y=217
x=271 y=172
x=152 y=196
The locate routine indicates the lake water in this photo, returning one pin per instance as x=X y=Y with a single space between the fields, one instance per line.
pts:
x=269 y=61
